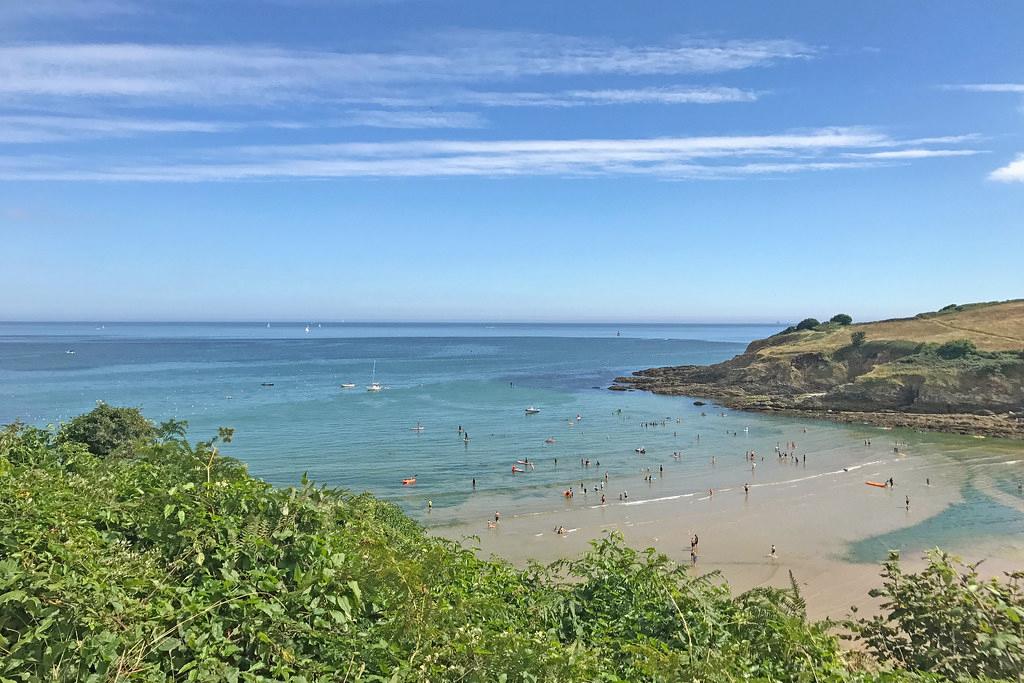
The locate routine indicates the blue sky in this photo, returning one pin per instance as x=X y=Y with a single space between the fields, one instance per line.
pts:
x=435 y=160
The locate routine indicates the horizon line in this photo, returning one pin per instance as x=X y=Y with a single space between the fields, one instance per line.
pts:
x=390 y=322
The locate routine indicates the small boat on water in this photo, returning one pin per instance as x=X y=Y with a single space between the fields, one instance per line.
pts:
x=409 y=481
x=640 y=450
x=517 y=470
x=549 y=440
x=417 y=428
x=374 y=385
x=348 y=385
x=532 y=411
x=70 y=352
x=879 y=484
x=307 y=329
x=266 y=384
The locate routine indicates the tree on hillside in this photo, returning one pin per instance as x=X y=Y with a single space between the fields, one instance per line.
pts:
x=807 y=324
x=841 y=318
x=107 y=430
x=857 y=338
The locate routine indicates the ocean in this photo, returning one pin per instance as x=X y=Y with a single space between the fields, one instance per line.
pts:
x=279 y=387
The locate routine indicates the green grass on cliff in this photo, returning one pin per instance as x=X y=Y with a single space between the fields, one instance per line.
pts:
x=164 y=561
x=997 y=326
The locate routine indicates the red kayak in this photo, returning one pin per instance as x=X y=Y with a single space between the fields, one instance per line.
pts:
x=879 y=484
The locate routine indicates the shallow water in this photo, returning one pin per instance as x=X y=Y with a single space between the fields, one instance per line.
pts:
x=482 y=377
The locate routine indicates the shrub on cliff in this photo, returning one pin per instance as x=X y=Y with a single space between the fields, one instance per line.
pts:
x=857 y=339
x=807 y=324
x=107 y=430
x=841 y=319
x=958 y=348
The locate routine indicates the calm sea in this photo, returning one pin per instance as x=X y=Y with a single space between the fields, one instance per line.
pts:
x=443 y=376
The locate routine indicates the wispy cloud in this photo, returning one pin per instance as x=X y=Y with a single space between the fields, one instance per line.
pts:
x=37 y=128
x=1013 y=172
x=238 y=74
x=895 y=154
x=709 y=157
x=1017 y=88
x=412 y=119
x=578 y=98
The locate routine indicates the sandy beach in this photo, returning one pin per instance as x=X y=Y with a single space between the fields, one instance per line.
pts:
x=829 y=528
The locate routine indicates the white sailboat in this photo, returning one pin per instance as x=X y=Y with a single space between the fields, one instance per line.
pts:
x=374 y=384
x=532 y=411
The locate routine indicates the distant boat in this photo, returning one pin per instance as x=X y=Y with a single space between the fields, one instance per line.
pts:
x=266 y=384
x=409 y=481
x=70 y=351
x=307 y=329
x=418 y=427
x=532 y=411
x=550 y=439
x=348 y=385
x=268 y=324
x=374 y=384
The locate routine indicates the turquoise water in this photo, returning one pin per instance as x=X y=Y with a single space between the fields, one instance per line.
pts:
x=440 y=375
x=482 y=377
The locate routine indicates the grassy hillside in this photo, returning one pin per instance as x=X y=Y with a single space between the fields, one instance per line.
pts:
x=997 y=326
x=127 y=553
x=963 y=361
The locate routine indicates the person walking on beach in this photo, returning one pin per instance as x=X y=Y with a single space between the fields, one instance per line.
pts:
x=693 y=544
x=497 y=516
x=908 y=502
x=772 y=553
x=746 y=489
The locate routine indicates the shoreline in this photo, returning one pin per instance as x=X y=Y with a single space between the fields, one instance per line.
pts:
x=1006 y=426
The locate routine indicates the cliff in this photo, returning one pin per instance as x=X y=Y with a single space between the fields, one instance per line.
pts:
x=960 y=369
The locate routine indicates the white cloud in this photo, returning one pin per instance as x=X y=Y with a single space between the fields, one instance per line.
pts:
x=1017 y=88
x=577 y=98
x=413 y=119
x=710 y=157
x=914 y=154
x=1013 y=172
x=239 y=74
x=34 y=128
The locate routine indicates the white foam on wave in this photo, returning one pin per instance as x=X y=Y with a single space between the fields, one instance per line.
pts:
x=657 y=500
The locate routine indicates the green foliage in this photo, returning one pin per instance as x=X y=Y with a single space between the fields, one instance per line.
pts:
x=950 y=307
x=807 y=324
x=841 y=319
x=947 y=620
x=958 y=348
x=107 y=430
x=175 y=564
x=857 y=339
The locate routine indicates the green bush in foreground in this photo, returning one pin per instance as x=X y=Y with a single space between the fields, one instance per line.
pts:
x=106 y=430
x=175 y=564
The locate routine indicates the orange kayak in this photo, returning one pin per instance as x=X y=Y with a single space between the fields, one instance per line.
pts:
x=877 y=483
x=407 y=482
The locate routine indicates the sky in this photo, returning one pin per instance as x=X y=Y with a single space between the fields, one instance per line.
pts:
x=415 y=160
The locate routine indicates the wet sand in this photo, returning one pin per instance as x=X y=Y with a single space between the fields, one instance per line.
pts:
x=812 y=512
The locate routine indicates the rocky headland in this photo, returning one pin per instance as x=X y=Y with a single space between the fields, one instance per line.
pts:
x=960 y=369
